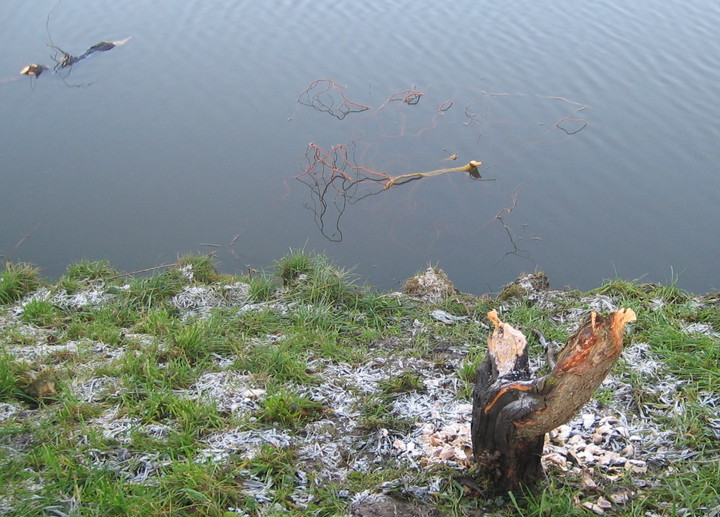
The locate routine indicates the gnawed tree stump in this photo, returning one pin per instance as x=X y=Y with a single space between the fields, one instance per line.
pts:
x=512 y=412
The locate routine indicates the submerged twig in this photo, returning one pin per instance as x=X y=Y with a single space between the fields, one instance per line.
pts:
x=336 y=181
x=471 y=167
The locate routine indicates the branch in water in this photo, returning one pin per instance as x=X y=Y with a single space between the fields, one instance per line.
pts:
x=471 y=167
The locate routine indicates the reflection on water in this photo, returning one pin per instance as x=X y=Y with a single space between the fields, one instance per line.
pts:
x=591 y=121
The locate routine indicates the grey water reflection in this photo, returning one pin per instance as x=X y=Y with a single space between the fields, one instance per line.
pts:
x=594 y=121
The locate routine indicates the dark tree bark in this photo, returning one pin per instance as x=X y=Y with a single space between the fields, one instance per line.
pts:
x=512 y=412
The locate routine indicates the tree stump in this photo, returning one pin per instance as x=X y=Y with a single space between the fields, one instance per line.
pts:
x=512 y=412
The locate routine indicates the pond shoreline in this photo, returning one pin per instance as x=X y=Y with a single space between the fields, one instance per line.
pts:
x=298 y=391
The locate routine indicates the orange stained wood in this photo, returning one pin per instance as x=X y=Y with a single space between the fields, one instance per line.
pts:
x=577 y=362
x=517 y=387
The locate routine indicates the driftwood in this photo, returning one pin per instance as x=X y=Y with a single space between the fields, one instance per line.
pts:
x=67 y=60
x=512 y=412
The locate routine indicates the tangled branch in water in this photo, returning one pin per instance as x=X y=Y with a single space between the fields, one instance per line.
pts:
x=327 y=96
x=410 y=97
x=335 y=181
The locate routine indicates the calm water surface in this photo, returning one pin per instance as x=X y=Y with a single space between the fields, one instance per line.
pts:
x=192 y=134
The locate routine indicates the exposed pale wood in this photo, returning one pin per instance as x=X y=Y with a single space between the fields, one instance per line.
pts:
x=512 y=411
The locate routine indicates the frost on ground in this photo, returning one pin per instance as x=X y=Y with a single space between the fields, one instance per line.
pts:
x=622 y=438
x=200 y=299
x=90 y=297
x=600 y=445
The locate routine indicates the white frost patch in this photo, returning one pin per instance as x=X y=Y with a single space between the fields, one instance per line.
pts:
x=99 y=352
x=427 y=407
x=701 y=328
x=40 y=350
x=243 y=443
x=116 y=428
x=132 y=467
x=446 y=317
x=711 y=401
x=434 y=407
x=280 y=308
x=95 y=389
x=574 y=317
x=7 y=411
x=324 y=446
x=197 y=298
x=342 y=401
x=200 y=299
x=600 y=303
x=229 y=390
x=642 y=360
x=237 y=293
x=94 y=297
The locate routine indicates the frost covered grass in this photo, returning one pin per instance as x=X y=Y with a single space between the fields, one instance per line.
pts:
x=297 y=391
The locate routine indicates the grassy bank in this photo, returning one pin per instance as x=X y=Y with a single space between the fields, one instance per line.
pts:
x=296 y=391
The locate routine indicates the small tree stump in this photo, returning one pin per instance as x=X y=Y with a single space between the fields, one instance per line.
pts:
x=512 y=412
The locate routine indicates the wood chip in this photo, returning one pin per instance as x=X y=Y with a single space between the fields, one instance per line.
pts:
x=588 y=482
x=596 y=509
x=621 y=497
x=636 y=466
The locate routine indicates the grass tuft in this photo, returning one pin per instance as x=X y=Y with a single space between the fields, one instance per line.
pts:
x=291 y=267
x=198 y=268
x=262 y=287
x=315 y=279
x=10 y=371
x=18 y=280
x=280 y=362
x=143 y=294
x=41 y=313
x=287 y=408
x=402 y=383
x=90 y=271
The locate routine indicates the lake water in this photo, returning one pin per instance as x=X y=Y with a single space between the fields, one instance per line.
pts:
x=596 y=122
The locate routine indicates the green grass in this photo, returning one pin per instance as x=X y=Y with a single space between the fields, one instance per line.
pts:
x=281 y=361
x=315 y=279
x=401 y=383
x=262 y=287
x=192 y=343
x=86 y=270
x=106 y=324
x=156 y=322
x=141 y=361
x=153 y=291
x=199 y=268
x=17 y=280
x=41 y=313
x=9 y=374
x=287 y=408
x=85 y=273
x=292 y=266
